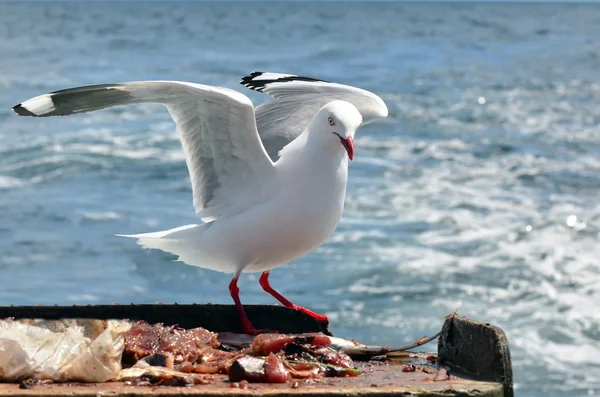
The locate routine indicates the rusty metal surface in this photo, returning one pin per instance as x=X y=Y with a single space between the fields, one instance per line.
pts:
x=476 y=350
x=216 y=318
x=377 y=380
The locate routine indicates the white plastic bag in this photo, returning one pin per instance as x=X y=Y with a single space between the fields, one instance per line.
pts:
x=79 y=350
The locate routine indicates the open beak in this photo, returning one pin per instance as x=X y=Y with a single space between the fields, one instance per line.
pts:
x=349 y=145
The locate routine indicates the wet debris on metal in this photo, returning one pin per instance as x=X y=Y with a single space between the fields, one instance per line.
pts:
x=191 y=360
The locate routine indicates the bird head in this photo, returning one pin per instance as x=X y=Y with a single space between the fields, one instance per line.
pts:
x=334 y=125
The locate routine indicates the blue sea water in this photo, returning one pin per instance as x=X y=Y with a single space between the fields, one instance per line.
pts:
x=478 y=193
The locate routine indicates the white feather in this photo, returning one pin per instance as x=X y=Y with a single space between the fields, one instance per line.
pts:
x=39 y=105
x=297 y=99
x=216 y=126
x=271 y=76
x=262 y=214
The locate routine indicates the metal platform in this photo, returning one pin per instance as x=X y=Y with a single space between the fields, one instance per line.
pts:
x=476 y=354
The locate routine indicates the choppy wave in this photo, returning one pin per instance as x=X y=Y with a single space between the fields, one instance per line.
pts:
x=478 y=193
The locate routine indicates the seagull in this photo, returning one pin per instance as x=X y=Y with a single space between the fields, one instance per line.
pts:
x=268 y=183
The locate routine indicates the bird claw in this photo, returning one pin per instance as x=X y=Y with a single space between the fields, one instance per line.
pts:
x=319 y=317
x=322 y=319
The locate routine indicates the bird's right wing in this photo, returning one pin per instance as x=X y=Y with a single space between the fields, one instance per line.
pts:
x=297 y=100
x=226 y=160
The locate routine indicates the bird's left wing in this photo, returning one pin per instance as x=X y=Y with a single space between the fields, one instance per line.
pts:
x=297 y=100
x=227 y=162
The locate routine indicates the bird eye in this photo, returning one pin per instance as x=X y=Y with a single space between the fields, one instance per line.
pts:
x=331 y=122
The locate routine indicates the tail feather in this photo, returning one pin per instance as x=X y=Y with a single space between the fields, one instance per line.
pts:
x=159 y=235
x=166 y=240
x=188 y=243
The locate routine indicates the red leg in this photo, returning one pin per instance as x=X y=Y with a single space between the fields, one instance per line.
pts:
x=235 y=294
x=264 y=283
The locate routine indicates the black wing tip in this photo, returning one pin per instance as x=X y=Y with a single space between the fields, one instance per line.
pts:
x=22 y=111
x=248 y=81
x=255 y=73
x=249 y=77
x=259 y=85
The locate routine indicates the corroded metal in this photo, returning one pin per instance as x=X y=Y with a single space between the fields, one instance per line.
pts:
x=477 y=350
x=217 y=318
x=383 y=381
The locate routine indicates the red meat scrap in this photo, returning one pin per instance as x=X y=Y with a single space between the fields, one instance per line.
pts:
x=193 y=350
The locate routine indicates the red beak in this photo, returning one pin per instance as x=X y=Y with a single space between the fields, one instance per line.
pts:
x=349 y=145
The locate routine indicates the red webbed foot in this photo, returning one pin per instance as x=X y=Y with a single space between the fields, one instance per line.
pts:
x=264 y=283
x=319 y=317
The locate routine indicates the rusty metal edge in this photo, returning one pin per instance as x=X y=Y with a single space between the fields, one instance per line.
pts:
x=217 y=318
x=130 y=391
x=224 y=318
x=479 y=351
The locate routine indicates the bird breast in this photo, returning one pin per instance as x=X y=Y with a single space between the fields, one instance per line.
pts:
x=316 y=201
x=299 y=217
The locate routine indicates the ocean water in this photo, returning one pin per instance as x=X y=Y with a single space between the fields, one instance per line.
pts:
x=479 y=193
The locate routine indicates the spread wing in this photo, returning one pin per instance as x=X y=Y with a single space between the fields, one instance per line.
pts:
x=297 y=100
x=227 y=162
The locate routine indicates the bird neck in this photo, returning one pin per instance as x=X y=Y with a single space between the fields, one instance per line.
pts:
x=309 y=149
x=295 y=147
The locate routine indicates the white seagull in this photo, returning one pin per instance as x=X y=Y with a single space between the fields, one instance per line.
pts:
x=268 y=183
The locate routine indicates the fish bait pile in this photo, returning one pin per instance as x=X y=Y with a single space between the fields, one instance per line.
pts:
x=139 y=353
x=169 y=355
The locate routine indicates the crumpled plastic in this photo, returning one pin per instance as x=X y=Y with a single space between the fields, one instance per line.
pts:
x=73 y=350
